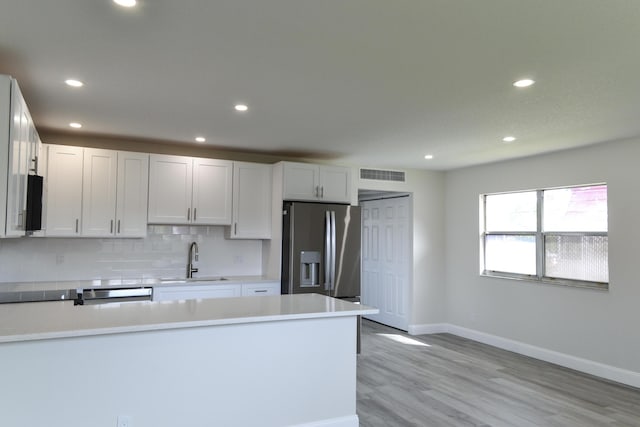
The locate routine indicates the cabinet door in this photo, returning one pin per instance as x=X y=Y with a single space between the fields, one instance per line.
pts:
x=212 y=183
x=5 y=126
x=301 y=181
x=64 y=190
x=170 y=179
x=20 y=136
x=251 y=201
x=335 y=184
x=131 y=194
x=99 y=192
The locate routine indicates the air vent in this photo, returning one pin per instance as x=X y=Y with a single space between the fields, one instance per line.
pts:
x=382 y=175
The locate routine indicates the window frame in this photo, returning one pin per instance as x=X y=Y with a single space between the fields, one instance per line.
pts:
x=540 y=242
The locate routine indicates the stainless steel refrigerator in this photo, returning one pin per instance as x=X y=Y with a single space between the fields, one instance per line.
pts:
x=321 y=249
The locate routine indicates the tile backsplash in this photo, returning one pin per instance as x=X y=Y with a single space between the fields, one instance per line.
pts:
x=163 y=253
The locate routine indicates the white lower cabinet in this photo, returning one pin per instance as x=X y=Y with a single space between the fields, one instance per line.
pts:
x=214 y=290
x=180 y=292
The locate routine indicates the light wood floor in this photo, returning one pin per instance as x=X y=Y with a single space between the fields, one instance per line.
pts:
x=453 y=381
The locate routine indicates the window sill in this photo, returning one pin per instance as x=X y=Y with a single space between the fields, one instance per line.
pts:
x=549 y=281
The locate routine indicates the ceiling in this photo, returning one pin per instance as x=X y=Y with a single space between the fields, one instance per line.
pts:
x=376 y=83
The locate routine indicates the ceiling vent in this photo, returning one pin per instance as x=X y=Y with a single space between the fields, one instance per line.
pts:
x=382 y=175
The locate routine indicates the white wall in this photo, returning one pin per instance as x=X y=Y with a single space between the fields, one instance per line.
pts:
x=595 y=325
x=163 y=253
x=428 y=291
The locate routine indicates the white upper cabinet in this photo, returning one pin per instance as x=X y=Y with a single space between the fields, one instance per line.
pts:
x=335 y=184
x=96 y=193
x=114 y=194
x=212 y=184
x=301 y=181
x=304 y=181
x=170 y=183
x=131 y=194
x=99 y=192
x=251 y=201
x=64 y=191
x=19 y=146
x=186 y=190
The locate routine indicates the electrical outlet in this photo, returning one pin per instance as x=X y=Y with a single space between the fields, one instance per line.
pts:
x=59 y=259
x=124 y=421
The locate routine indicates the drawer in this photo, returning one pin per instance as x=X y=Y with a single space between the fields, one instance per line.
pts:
x=257 y=289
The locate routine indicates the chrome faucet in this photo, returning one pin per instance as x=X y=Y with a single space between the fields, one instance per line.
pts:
x=193 y=256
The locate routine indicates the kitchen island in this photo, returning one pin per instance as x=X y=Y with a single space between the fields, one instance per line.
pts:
x=266 y=361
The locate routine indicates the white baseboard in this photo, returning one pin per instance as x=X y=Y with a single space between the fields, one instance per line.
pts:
x=601 y=370
x=432 y=328
x=348 y=421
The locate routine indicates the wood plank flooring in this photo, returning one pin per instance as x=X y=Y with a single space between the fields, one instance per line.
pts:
x=444 y=380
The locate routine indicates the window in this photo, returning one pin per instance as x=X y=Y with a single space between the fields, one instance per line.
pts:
x=555 y=235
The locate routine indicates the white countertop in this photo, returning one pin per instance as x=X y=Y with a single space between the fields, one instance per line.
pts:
x=61 y=319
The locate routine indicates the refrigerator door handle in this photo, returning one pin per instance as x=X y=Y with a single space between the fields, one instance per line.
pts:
x=327 y=251
x=333 y=250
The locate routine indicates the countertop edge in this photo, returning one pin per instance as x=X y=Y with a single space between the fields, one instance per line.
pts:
x=185 y=324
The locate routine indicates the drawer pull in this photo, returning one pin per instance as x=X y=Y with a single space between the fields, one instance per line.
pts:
x=260 y=291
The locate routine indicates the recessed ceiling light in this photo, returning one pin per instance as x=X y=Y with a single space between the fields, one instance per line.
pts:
x=509 y=139
x=429 y=156
x=125 y=3
x=75 y=125
x=200 y=139
x=523 y=83
x=74 y=83
x=241 y=107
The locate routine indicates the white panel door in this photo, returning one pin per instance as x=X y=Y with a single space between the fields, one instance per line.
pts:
x=64 y=190
x=170 y=184
x=99 y=192
x=212 y=186
x=131 y=194
x=386 y=259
